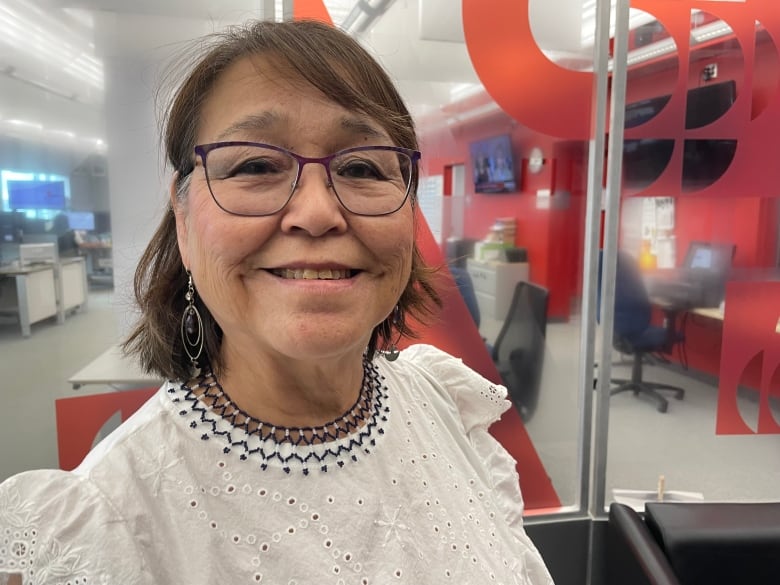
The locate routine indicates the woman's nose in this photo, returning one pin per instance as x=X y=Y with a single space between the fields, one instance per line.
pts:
x=314 y=207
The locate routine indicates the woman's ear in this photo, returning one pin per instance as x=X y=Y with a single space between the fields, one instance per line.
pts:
x=178 y=206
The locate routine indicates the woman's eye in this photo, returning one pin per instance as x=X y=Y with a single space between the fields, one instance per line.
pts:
x=360 y=169
x=255 y=167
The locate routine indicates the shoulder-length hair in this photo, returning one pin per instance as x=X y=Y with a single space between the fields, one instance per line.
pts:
x=340 y=68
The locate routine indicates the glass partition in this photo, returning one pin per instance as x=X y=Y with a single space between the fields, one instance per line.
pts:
x=504 y=194
x=694 y=411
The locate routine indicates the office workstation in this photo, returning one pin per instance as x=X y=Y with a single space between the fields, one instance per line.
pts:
x=700 y=280
x=37 y=284
x=695 y=297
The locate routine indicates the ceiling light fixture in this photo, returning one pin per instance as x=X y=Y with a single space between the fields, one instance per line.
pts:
x=26 y=28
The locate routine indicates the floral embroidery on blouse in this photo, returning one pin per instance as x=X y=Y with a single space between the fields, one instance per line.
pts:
x=22 y=553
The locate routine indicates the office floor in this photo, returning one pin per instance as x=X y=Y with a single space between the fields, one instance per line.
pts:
x=643 y=443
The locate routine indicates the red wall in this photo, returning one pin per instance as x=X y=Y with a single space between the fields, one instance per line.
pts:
x=552 y=235
x=734 y=211
x=745 y=218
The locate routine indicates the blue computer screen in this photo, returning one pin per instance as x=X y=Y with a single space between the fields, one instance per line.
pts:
x=702 y=258
x=81 y=220
x=36 y=194
x=715 y=257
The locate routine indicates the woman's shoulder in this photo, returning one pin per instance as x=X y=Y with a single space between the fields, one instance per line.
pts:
x=142 y=426
x=81 y=523
x=23 y=497
x=479 y=401
x=53 y=522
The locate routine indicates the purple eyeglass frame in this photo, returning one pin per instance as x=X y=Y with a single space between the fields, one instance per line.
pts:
x=202 y=150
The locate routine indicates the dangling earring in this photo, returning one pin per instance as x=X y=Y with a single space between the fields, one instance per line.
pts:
x=191 y=325
x=392 y=353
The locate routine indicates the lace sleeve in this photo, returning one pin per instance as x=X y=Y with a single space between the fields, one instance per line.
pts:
x=506 y=487
x=56 y=527
x=478 y=401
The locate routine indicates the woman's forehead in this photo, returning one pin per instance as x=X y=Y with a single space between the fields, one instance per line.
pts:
x=256 y=94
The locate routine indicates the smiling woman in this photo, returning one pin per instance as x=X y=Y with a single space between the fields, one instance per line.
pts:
x=285 y=448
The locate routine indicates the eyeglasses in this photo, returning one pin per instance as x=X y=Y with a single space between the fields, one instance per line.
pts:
x=254 y=179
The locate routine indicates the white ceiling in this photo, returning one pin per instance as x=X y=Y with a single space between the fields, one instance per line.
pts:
x=420 y=42
x=42 y=94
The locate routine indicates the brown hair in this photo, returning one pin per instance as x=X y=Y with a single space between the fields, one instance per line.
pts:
x=332 y=62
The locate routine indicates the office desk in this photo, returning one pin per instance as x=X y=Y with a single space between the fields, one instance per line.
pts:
x=716 y=314
x=709 y=312
x=38 y=291
x=114 y=368
x=100 y=264
x=702 y=350
x=72 y=284
x=29 y=292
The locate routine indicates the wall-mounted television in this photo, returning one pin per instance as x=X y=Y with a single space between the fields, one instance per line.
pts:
x=493 y=165
x=36 y=194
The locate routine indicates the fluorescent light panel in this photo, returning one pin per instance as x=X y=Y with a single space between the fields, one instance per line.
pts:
x=30 y=30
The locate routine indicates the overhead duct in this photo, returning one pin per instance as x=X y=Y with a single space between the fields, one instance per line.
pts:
x=364 y=14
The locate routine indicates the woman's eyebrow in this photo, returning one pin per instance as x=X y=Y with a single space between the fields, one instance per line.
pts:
x=255 y=123
x=361 y=127
x=251 y=123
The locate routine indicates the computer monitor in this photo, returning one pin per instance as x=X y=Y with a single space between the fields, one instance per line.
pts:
x=37 y=254
x=709 y=256
x=701 y=257
x=706 y=269
x=81 y=220
x=11 y=227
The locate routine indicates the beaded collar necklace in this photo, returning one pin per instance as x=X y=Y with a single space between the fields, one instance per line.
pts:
x=213 y=411
x=210 y=392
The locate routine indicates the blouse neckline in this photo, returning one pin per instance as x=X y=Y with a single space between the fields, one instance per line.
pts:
x=209 y=412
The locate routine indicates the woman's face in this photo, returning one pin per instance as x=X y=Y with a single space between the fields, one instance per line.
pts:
x=243 y=267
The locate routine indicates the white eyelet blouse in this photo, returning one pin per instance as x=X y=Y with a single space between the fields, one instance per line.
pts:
x=420 y=494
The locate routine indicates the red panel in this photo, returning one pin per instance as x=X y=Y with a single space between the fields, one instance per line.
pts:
x=749 y=336
x=518 y=76
x=80 y=418
x=456 y=334
x=311 y=9
x=755 y=136
x=447 y=188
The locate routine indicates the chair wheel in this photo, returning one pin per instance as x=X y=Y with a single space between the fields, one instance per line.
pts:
x=662 y=407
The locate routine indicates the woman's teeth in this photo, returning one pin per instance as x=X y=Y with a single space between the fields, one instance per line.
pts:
x=312 y=274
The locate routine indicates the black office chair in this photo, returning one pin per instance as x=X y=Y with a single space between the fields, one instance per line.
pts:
x=694 y=543
x=634 y=334
x=520 y=346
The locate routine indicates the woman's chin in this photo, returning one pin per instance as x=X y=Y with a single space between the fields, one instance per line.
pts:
x=322 y=347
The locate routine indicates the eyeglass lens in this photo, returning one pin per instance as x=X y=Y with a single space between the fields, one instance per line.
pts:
x=255 y=180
